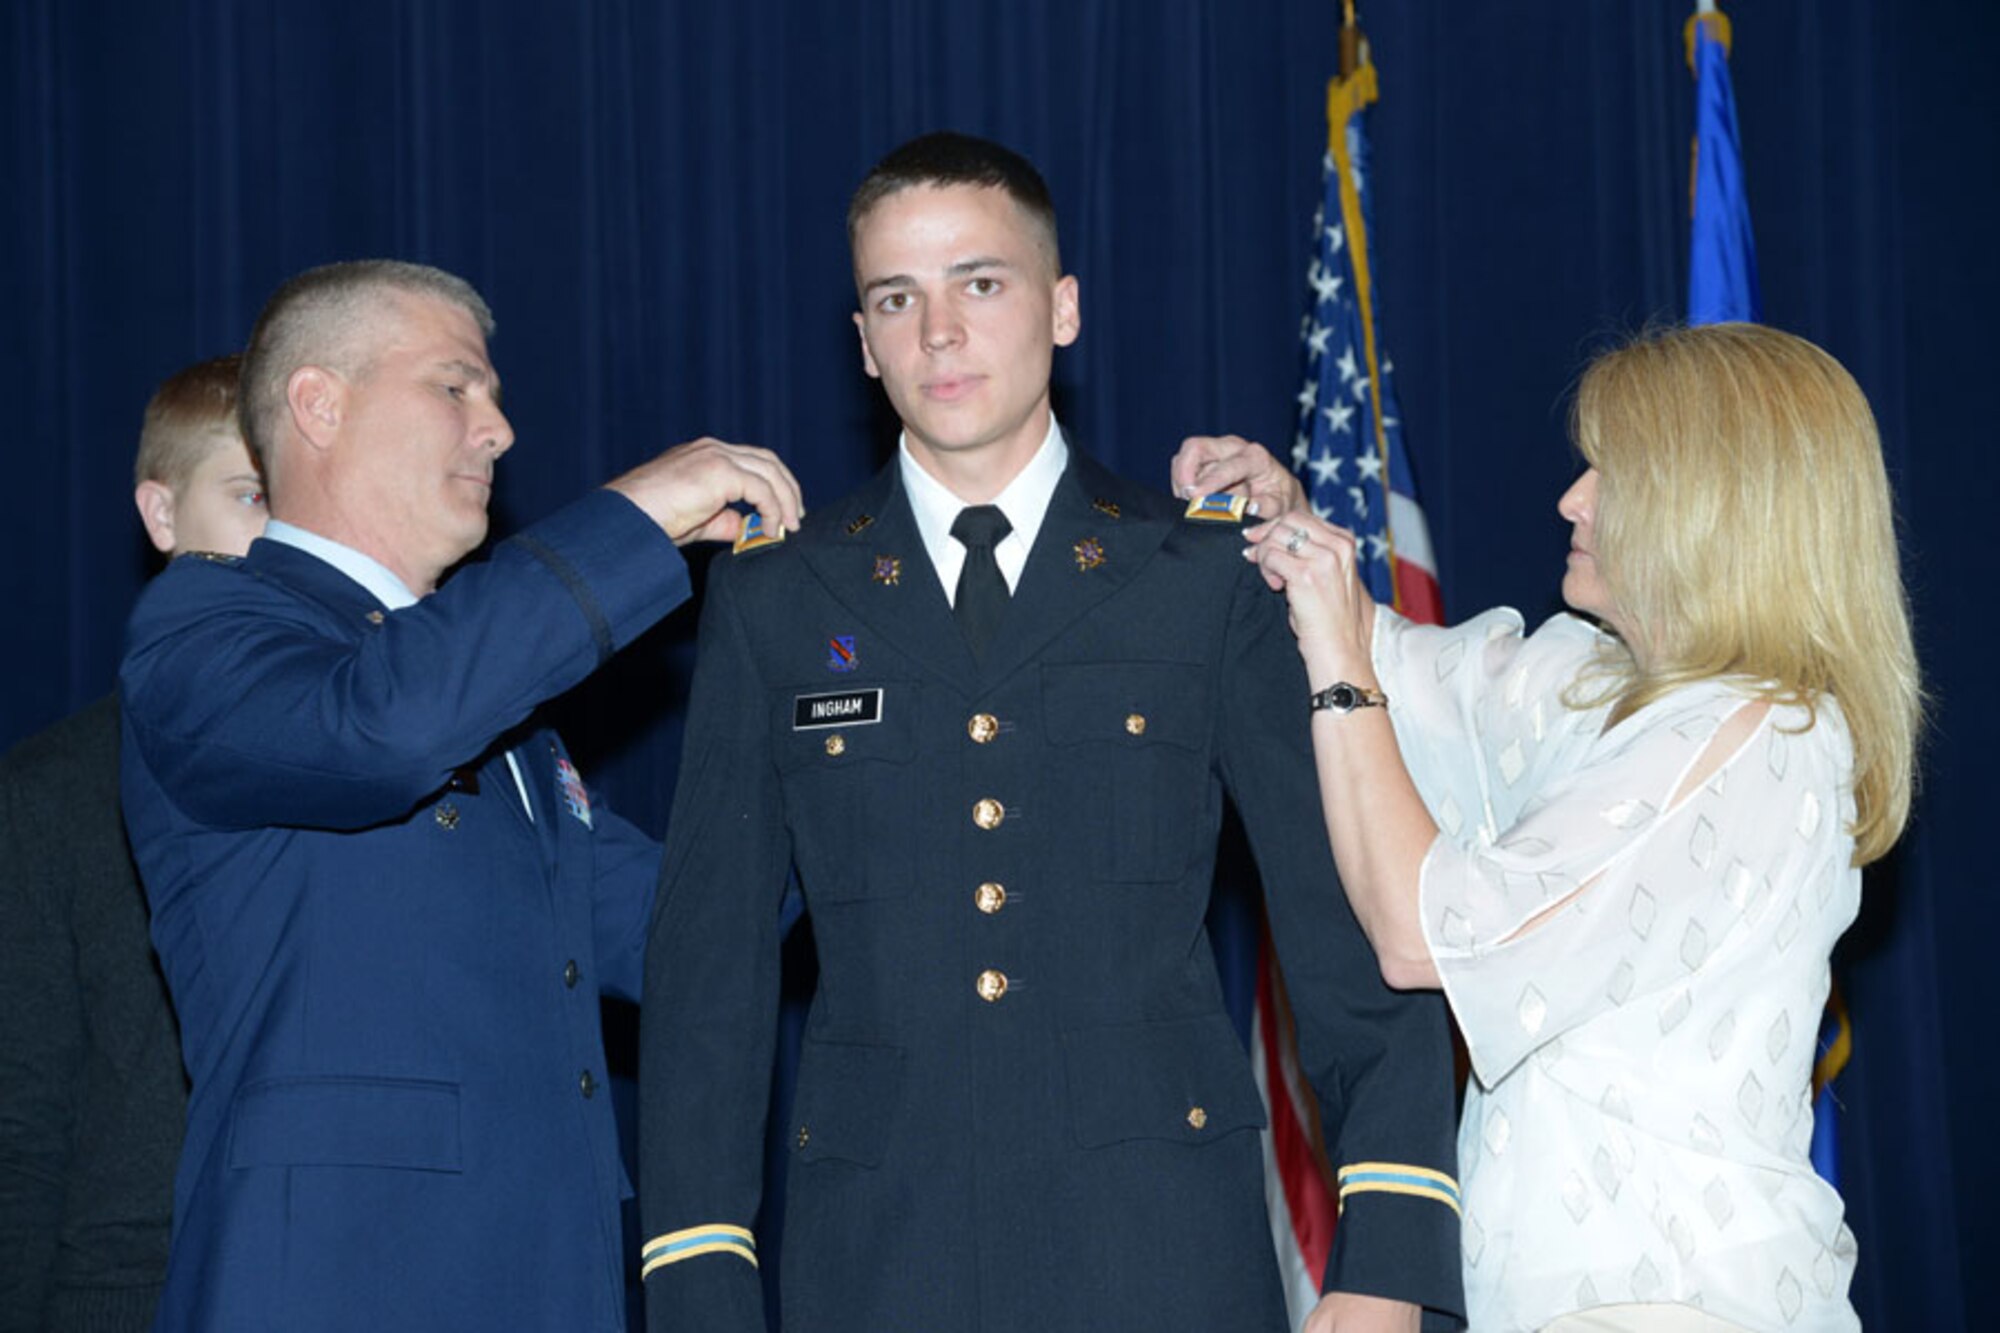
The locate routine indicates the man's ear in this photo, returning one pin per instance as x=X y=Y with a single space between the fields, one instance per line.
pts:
x=867 y=357
x=155 y=500
x=317 y=399
x=1067 y=314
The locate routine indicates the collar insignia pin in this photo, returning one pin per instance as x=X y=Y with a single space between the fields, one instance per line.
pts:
x=1089 y=554
x=888 y=570
x=861 y=521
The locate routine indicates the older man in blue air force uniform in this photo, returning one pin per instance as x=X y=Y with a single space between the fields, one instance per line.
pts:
x=990 y=705
x=385 y=904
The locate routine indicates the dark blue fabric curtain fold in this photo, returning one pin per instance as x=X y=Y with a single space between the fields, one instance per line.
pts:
x=652 y=196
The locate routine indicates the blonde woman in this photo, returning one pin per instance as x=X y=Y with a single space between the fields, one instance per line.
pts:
x=1625 y=844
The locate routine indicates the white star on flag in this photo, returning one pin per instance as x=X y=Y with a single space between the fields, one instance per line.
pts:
x=1348 y=369
x=1316 y=341
x=1309 y=397
x=1378 y=546
x=1337 y=417
x=1369 y=465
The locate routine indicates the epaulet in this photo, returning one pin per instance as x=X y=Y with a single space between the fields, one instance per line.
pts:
x=212 y=557
x=754 y=537
x=1223 y=508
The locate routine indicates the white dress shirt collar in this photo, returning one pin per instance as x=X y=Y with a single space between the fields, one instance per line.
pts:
x=1025 y=502
x=364 y=570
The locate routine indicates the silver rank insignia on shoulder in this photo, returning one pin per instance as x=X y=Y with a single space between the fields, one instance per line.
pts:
x=1108 y=508
x=754 y=536
x=1089 y=554
x=1218 y=508
x=888 y=570
x=859 y=524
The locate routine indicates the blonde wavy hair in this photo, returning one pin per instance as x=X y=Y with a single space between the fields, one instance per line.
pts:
x=1744 y=528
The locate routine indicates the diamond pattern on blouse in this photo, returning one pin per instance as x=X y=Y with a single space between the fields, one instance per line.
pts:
x=1750 y=1099
x=1448 y=660
x=1450 y=818
x=1512 y=763
x=1826 y=1271
x=1788 y=929
x=1701 y=843
x=1703 y=1134
x=1645 y=1279
x=1614 y=1104
x=1620 y=989
x=1674 y=1010
x=1629 y=814
x=1604 y=1169
x=1576 y=1198
x=1472 y=1237
x=1790 y=1295
x=1681 y=1236
x=1779 y=1039
x=1694 y=946
x=1497 y=1132
x=1644 y=909
x=1721 y=1035
x=1532 y=1010
x=1809 y=813
x=1455 y=929
x=1716 y=1198
x=1586 y=1294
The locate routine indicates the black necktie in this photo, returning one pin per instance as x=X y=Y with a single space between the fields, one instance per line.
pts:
x=982 y=590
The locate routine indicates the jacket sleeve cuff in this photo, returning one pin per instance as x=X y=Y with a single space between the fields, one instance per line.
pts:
x=702 y=1278
x=623 y=571
x=1401 y=1244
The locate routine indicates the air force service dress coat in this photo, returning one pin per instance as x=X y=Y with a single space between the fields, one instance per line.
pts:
x=1020 y=1102
x=387 y=976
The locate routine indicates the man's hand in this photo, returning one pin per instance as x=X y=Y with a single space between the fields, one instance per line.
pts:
x=1212 y=464
x=688 y=490
x=1351 y=1312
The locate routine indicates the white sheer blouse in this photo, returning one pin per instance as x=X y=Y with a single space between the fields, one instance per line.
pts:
x=1640 y=1117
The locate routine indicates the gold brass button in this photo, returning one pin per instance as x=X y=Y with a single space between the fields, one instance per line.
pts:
x=982 y=727
x=987 y=813
x=1135 y=724
x=991 y=985
x=990 y=897
x=1197 y=1118
x=836 y=744
x=805 y=1136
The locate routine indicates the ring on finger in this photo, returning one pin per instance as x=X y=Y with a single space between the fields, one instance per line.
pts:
x=1295 y=541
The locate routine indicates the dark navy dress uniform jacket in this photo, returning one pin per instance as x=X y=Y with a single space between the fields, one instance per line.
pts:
x=387 y=976
x=1020 y=1102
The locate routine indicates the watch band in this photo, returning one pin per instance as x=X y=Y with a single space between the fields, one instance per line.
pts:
x=1344 y=697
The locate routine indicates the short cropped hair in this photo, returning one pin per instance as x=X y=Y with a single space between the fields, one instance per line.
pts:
x=319 y=318
x=945 y=158
x=1744 y=528
x=183 y=418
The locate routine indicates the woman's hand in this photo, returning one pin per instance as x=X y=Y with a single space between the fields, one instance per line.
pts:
x=1210 y=464
x=1313 y=563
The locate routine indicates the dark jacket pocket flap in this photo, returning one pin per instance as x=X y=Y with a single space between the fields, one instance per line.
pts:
x=396 y=1122
x=848 y=1098
x=1187 y=1080
x=1131 y=704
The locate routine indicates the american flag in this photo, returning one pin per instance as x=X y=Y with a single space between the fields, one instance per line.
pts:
x=1349 y=454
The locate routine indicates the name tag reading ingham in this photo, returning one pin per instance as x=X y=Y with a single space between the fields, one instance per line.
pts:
x=842 y=708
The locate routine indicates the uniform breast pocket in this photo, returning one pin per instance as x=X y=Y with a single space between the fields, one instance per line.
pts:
x=847 y=759
x=1129 y=742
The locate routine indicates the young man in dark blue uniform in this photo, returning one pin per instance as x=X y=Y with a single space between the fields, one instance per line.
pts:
x=990 y=705
x=385 y=904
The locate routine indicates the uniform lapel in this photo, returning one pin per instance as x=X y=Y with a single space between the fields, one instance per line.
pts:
x=1093 y=540
x=874 y=562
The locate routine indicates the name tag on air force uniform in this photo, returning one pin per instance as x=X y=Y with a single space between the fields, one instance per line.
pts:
x=840 y=708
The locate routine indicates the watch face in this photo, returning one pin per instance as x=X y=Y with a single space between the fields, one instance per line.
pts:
x=1344 y=697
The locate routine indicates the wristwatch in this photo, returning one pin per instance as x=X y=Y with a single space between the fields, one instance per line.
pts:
x=1342 y=697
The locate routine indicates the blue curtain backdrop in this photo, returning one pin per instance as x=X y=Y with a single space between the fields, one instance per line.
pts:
x=651 y=195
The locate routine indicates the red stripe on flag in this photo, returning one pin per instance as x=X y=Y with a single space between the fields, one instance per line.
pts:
x=1417 y=594
x=1306 y=1196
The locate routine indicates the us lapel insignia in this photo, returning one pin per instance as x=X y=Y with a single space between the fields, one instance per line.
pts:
x=573 y=793
x=888 y=571
x=1224 y=508
x=860 y=524
x=1089 y=554
x=754 y=537
x=1108 y=508
x=374 y=617
x=840 y=654
x=447 y=816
